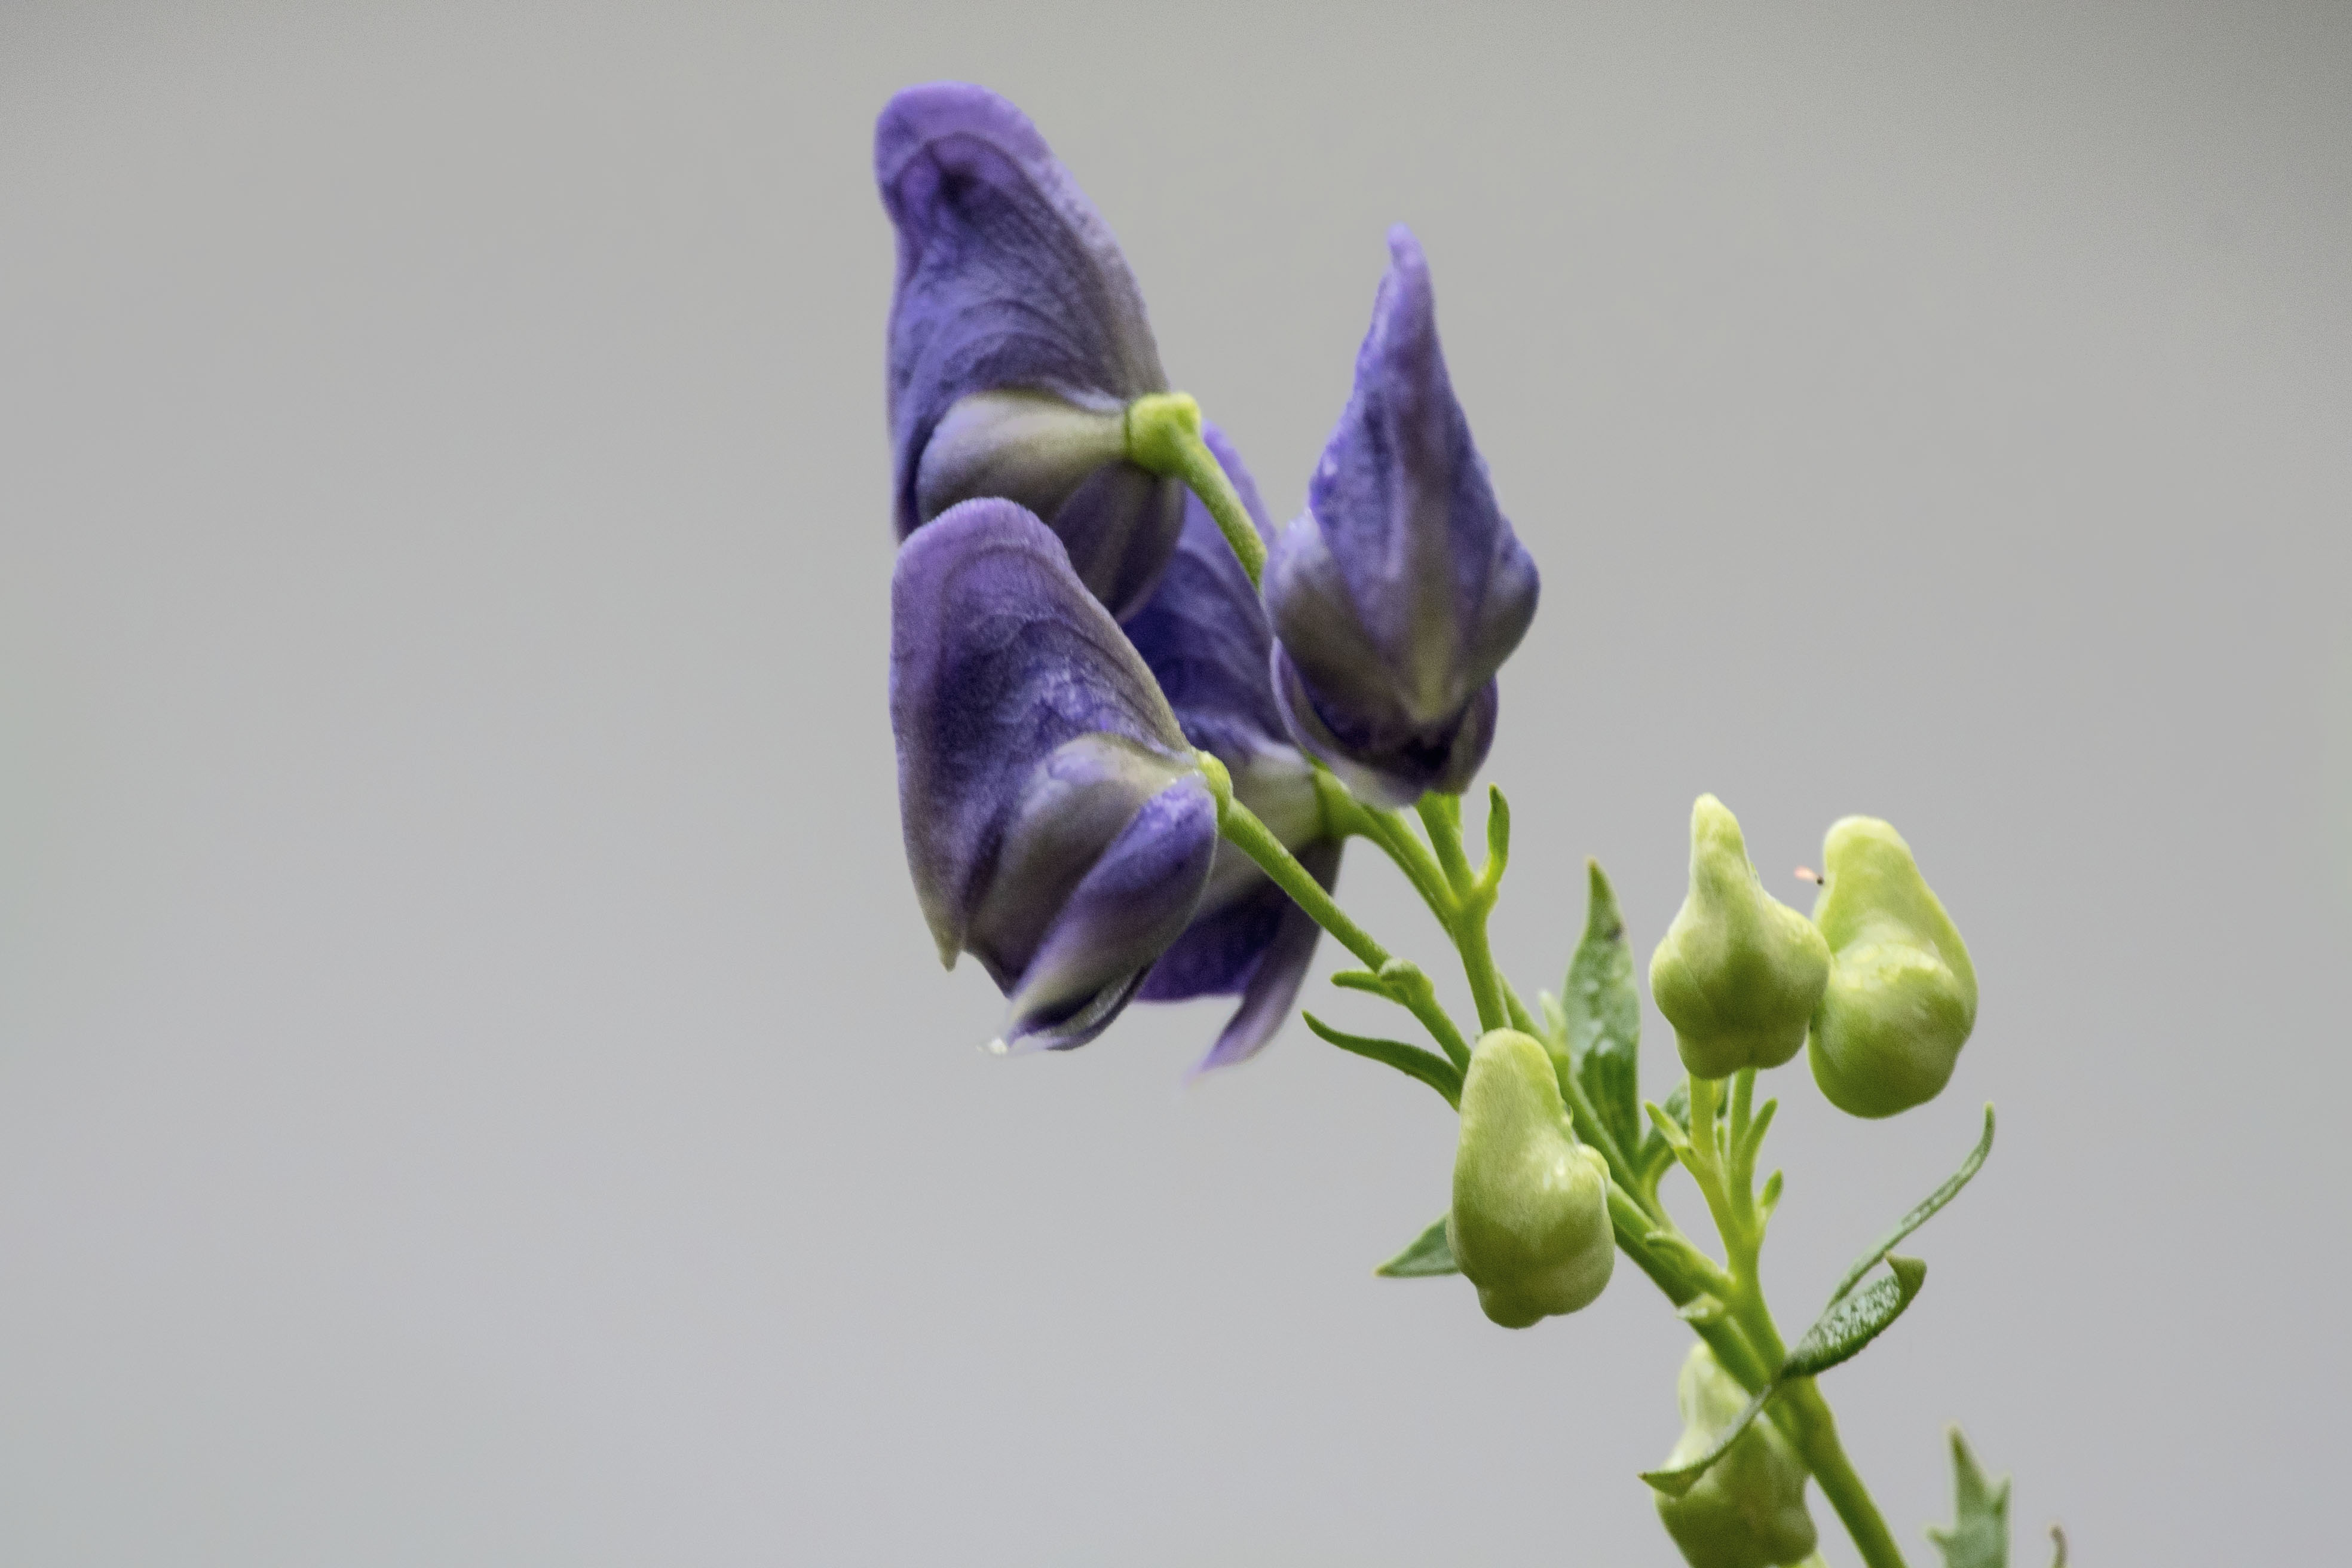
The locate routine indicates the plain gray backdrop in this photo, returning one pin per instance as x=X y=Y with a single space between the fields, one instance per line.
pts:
x=475 y=1086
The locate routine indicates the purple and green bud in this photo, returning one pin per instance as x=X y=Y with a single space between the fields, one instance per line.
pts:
x=1902 y=995
x=1530 y=1225
x=1748 y=1510
x=1017 y=340
x=1738 y=972
x=1401 y=590
x=1057 y=823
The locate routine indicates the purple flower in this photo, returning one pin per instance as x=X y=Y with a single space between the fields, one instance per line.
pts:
x=1204 y=637
x=1401 y=590
x=1017 y=339
x=1056 y=824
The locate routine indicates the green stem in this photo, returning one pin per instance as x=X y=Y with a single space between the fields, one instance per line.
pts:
x=1241 y=827
x=1164 y=436
x=1466 y=917
x=1825 y=1457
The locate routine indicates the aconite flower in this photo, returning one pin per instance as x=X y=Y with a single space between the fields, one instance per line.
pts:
x=1017 y=339
x=1057 y=823
x=1401 y=590
x=1205 y=639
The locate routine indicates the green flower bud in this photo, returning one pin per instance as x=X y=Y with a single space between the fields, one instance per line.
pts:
x=1902 y=996
x=1530 y=1225
x=1748 y=1510
x=1739 y=972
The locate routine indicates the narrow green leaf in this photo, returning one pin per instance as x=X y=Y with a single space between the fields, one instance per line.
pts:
x=1499 y=833
x=1657 y=1151
x=1360 y=980
x=1410 y=1060
x=1979 y=1534
x=1675 y=1482
x=1921 y=1214
x=1769 y=1198
x=1603 y=1012
x=1855 y=1319
x=1428 y=1254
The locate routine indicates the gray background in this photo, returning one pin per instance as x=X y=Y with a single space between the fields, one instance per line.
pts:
x=474 y=1083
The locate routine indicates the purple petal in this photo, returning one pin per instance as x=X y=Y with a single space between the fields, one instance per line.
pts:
x=1258 y=949
x=1010 y=280
x=998 y=656
x=1401 y=589
x=1121 y=917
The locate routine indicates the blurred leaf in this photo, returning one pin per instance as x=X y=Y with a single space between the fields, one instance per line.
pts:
x=1979 y=1534
x=1855 y=1319
x=1412 y=1061
x=1602 y=1014
x=1429 y=1254
x=1921 y=1214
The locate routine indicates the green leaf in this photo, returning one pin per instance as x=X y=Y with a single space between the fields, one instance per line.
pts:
x=1921 y=1214
x=1850 y=1323
x=1603 y=1012
x=1854 y=1320
x=1428 y=1254
x=1677 y=1482
x=1979 y=1534
x=1658 y=1153
x=1410 y=1060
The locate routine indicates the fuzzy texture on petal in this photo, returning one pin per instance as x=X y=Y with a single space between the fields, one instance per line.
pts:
x=1205 y=637
x=1009 y=282
x=1056 y=824
x=1401 y=589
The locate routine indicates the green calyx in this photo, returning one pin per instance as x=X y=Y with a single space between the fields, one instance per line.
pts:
x=1739 y=973
x=1748 y=1510
x=1530 y=1225
x=1902 y=996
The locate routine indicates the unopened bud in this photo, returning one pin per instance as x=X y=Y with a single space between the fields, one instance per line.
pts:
x=1738 y=972
x=1530 y=1225
x=1902 y=996
x=1748 y=1510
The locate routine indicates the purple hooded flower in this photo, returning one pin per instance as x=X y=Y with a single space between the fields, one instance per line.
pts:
x=1206 y=638
x=1056 y=824
x=1017 y=339
x=1401 y=590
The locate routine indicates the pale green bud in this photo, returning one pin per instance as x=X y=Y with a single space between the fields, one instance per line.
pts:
x=1902 y=996
x=1748 y=1510
x=1530 y=1225
x=1739 y=972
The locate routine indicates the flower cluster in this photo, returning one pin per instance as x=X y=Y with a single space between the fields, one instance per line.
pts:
x=1075 y=619
x=1136 y=724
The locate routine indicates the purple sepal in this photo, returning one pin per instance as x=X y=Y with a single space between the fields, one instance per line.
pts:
x=1008 y=280
x=1057 y=826
x=1120 y=918
x=1401 y=589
